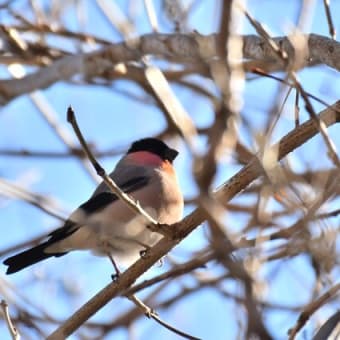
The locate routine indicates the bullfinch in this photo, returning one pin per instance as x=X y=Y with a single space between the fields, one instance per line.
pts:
x=105 y=224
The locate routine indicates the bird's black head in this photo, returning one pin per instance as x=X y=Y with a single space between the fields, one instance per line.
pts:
x=155 y=146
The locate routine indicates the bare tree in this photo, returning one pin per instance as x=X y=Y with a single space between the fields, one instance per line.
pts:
x=251 y=115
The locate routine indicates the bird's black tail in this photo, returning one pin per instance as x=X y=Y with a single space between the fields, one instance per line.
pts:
x=28 y=257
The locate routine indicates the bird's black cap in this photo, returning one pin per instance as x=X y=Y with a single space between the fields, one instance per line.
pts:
x=155 y=146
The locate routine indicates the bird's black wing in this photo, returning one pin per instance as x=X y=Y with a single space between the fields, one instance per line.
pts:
x=97 y=203
x=103 y=199
x=94 y=204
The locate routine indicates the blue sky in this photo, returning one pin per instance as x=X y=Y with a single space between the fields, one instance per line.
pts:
x=111 y=120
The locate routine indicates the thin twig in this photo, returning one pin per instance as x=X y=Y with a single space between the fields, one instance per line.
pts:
x=14 y=191
x=152 y=314
x=173 y=109
x=311 y=308
x=172 y=329
x=283 y=55
x=43 y=105
x=332 y=30
x=141 y=305
x=47 y=28
x=171 y=274
x=290 y=84
x=117 y=18
x=151 y=14
x=12 y=330
x=57 y=154
x=330 y=329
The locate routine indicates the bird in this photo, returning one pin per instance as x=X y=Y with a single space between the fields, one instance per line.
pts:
x=105 y=224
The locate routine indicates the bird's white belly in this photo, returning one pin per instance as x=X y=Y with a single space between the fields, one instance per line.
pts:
x=105 y=233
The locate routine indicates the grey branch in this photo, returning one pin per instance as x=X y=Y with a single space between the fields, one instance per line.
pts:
x=180 y=48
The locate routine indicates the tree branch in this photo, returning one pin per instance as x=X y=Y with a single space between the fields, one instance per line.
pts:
x=311 y=308
x=179 y=48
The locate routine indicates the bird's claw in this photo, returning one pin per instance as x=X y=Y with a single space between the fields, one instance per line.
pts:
x=143 y=253
x=115 y=277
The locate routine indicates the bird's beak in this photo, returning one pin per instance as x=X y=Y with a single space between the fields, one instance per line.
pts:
x=171 y=154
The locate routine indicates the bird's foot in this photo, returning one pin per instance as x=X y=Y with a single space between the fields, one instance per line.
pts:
x=115 y=277
x=144 y=253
